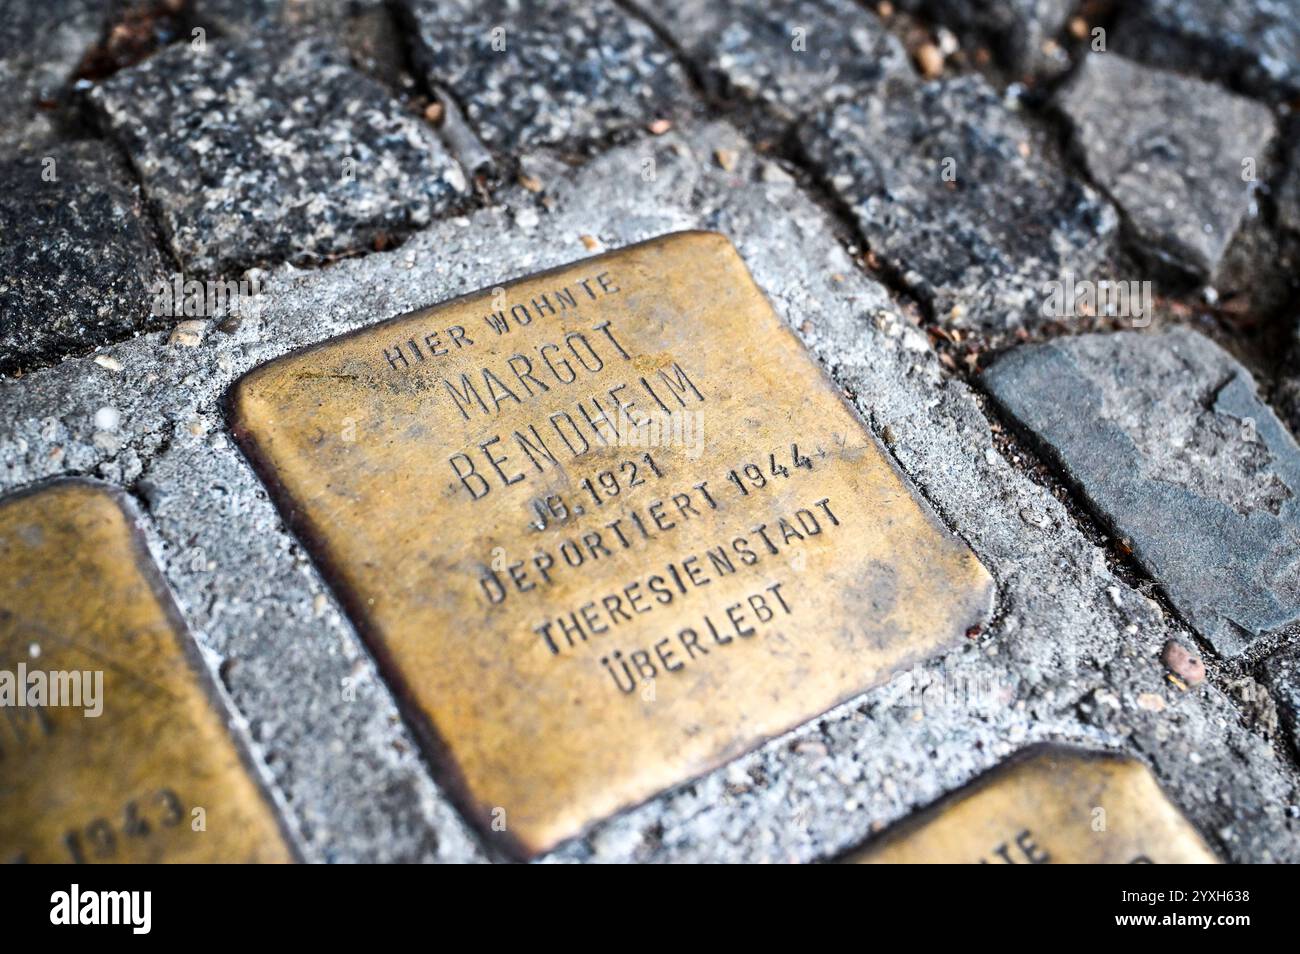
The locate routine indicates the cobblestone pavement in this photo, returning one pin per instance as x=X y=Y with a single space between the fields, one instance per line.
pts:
x=928 y=191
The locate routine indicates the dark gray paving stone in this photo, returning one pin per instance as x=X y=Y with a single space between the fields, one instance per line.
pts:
x=41 y=45
x=793 y=56
x=570 y=71
x=1019 y=30
x=1166 y=437
x=980 y=248
x=249 y=18
x=1281 y=674
x=245 y=149
x=1169 y=150
x=1251 y=43
x=77 y=259
x=366 y=27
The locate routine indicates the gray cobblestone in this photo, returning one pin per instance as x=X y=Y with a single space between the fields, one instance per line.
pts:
x=792 y=56
x=78 y=259
x=1168 y=440
x=1251 y=43
x=1152 y=445
x=270 y=151
x=248 y=19
x=40 y=47
x=1072 y=647
x=979 y=243
x=546 y=73
x=1172 y=152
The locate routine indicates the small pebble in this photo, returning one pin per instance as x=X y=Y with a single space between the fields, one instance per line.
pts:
x=929 y=60
x=188 y=334
x=1151 y=702
x=107 y=419
x=1185 y=665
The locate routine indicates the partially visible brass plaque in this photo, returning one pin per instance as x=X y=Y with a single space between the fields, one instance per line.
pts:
x=1052 y=804
x=604 y=527
x=111 y=749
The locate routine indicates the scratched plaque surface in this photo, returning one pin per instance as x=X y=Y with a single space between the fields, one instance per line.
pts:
x=1054 y=804
x=79 y=596
x=604 y=527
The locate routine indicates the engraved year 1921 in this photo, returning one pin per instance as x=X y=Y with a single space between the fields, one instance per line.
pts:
x=597 y=489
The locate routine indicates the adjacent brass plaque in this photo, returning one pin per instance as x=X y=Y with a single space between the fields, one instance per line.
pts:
x=111 y=749
x=605 y=528
x=1053 y=804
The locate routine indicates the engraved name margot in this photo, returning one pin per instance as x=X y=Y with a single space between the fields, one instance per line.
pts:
x=604 y=528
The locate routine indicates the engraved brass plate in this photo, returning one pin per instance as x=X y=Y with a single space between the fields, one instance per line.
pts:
x=604 y=527
x=153 y=776
x=1053 y=804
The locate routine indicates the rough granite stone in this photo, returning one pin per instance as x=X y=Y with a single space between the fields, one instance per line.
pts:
x=40 y=47
x=1022 y=31
x=1281 y=673
x=980 y=248
x=77 y=258
x=1254 y=44
x=1169 y=150
x=792 y=56
x=546 y=72
x=366 y=27
x=249 y=18
x=1070 y=652
x=273 y=151
x=1166 y=437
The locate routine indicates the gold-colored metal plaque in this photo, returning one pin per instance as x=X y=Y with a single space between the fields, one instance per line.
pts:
x=111 y=749
x=605 y=528
x=1052 y=804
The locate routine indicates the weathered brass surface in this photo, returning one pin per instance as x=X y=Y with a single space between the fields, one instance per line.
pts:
x=539 y=587
x=78 y=594
x=1053 y=805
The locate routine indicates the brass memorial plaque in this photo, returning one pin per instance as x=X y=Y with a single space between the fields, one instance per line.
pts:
x=604 y=527
x=111 y=749
x=1053 y=804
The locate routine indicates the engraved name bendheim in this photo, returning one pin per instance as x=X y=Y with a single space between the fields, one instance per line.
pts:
x=522 y=378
